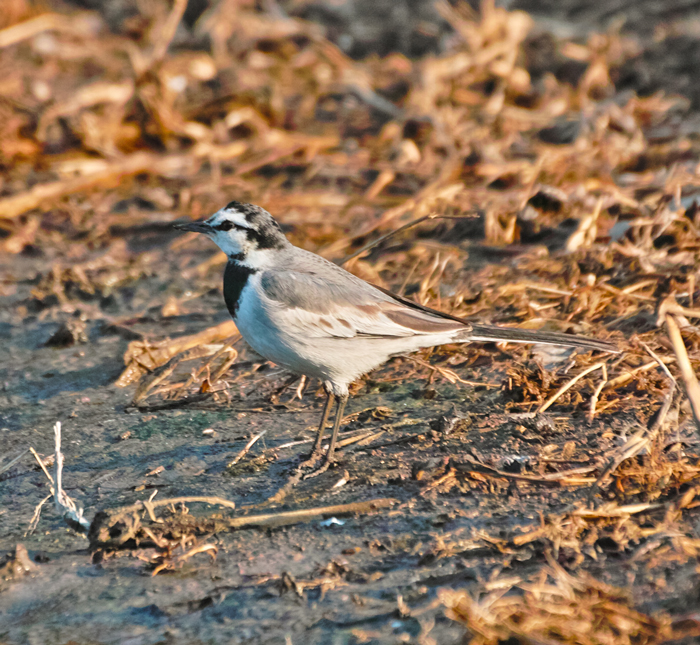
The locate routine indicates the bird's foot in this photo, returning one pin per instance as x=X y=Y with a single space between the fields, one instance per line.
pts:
x=311 y=462
x=322 y=469
x=299 y=474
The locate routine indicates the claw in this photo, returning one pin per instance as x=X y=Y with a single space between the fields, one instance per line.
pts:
x=319 y=471
x=311 y=461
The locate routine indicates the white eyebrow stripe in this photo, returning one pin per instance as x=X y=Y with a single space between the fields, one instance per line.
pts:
x=219 y=218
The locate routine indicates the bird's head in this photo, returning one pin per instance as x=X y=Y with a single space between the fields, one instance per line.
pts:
x=244 y=232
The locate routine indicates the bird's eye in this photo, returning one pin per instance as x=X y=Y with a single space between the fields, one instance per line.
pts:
x=226 y=225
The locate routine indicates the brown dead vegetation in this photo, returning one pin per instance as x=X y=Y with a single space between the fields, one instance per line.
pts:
x=469 y=181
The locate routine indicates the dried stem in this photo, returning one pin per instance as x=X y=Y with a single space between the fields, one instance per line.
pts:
x=690 y=381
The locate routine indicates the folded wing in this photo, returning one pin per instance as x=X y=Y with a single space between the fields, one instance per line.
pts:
x=331 y=302
x=340 y=305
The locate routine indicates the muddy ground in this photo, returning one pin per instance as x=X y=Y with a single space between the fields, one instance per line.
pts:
x=353 y=575
x=486 y=495
x=369 y=578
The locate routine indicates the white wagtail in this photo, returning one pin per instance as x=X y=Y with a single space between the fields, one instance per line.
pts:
x=312 y=317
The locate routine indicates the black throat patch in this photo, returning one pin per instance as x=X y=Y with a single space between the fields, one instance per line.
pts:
x=235 y=279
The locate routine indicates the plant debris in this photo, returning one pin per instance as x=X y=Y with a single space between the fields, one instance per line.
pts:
x=514 y=176
x=554 y=607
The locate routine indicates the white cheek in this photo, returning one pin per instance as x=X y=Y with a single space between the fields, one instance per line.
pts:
x=228 y=243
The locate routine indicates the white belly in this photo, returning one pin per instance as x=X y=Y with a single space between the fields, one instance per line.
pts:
x=334 y=360
x=263 y=335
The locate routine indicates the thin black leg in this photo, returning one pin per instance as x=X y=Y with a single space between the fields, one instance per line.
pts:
x=342 y=400
x=315 y=453
x=336 y=427
x=330 y=398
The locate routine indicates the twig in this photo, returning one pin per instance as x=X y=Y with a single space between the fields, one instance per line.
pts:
x=659 y=361
x=641 y=439
x=596 y=394
x=633 y=446
x=551 y=479
x=381 y=238
x=617 y=511
x=356 y=435
x=403 y=439
x=362 y=439
x=200 y=548
x=245 y=450
x=450 y=474
x=144 y=162
x=33 y=523
x=299 y=392
x=43 y=467
x=9 y=465
x=37 y=511
x=670 y=376
x=449 y=374
x=690 y=381
x=167 y=32
x=568 y=385
x=411 y=224
x=65 y=506
x=307 y=515
x=620 y=292
x=134 y=164
x=628 y=376
x=80 y=24
x=671 y=306
x=507 y=289
x=366 y=441
x=150 y=505
x=143 y=356
x=359 y=434
x=275 y=396
x=100 y=535
x=141 y=505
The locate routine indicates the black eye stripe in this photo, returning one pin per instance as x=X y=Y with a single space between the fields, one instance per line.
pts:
x=227 y=225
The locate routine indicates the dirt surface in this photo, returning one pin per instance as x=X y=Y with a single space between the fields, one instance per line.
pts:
x=370 y=577
x=558 y=192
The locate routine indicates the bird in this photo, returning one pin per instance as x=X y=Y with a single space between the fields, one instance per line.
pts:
x=314 y=318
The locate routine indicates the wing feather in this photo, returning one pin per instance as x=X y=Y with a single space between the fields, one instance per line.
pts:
x=327 y=301
x=340 y=305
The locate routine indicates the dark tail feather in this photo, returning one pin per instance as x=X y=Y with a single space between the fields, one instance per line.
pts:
x=515 y=335
x=491 y=333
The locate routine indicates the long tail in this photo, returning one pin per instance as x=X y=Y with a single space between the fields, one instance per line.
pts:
x=490 y=333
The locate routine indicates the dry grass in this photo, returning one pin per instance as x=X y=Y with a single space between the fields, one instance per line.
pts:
x=554 y=607
x=549 y=201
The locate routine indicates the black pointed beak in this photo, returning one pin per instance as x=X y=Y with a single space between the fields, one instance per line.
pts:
x=194 y=227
